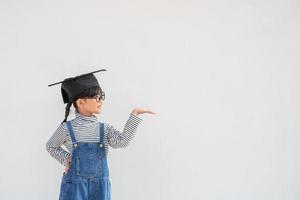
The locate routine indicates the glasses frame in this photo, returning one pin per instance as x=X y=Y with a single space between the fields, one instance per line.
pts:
x=98 y=97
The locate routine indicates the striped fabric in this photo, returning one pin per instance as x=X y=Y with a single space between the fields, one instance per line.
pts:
x=86 y=129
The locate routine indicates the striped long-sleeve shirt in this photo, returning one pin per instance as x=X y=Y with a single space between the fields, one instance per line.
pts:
x=86 y=129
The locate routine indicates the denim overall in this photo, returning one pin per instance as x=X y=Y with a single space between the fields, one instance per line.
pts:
x=88 y=175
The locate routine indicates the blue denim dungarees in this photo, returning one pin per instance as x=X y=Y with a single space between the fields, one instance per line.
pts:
x=88 y=176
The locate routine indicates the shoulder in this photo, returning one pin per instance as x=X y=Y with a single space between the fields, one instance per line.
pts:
x=63 y=125
x=105 y=124
x=63 y=128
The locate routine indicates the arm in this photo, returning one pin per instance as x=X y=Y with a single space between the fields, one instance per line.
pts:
x=117 y=139
x=54 y=144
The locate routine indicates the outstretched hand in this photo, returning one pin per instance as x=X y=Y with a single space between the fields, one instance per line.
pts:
x=138 y=111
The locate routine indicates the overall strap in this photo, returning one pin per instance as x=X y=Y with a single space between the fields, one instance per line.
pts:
x=71 y=132
x=101 y=133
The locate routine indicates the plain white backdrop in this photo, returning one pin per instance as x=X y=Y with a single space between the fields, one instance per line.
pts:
x=223 y=77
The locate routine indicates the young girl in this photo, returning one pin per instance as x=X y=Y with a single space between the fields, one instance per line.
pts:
x=86 y=175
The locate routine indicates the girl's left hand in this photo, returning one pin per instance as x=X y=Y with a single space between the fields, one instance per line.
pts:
x=68 y=163
x=138 y=111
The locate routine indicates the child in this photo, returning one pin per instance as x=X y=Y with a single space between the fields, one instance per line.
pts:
x=86 y=175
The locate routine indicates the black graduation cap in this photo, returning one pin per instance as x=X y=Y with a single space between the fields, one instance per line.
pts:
x=73 y=86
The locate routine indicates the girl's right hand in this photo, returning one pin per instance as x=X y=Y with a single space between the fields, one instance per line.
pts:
x=68 y=164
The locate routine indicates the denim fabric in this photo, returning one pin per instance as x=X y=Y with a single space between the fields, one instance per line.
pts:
x=88 y=176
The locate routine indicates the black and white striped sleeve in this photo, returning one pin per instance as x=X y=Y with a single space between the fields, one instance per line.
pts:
x=54 y=144
x=117 y=139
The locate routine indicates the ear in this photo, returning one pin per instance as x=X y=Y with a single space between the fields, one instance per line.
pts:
x=80 y=102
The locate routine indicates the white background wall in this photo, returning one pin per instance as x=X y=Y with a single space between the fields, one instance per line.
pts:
x=223 y=77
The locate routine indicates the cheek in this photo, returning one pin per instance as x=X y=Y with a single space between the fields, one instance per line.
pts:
x=90 y=105
x=93 y=105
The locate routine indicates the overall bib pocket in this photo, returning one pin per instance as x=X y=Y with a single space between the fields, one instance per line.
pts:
x=88 y=166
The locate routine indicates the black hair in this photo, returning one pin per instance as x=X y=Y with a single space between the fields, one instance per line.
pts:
x=90 y=92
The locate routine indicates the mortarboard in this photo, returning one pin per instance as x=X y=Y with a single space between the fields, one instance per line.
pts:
x=73 y=86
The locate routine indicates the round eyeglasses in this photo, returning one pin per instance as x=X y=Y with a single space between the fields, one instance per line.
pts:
x=99 y=97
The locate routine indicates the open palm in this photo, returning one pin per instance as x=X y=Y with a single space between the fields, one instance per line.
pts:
x=138 y=111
